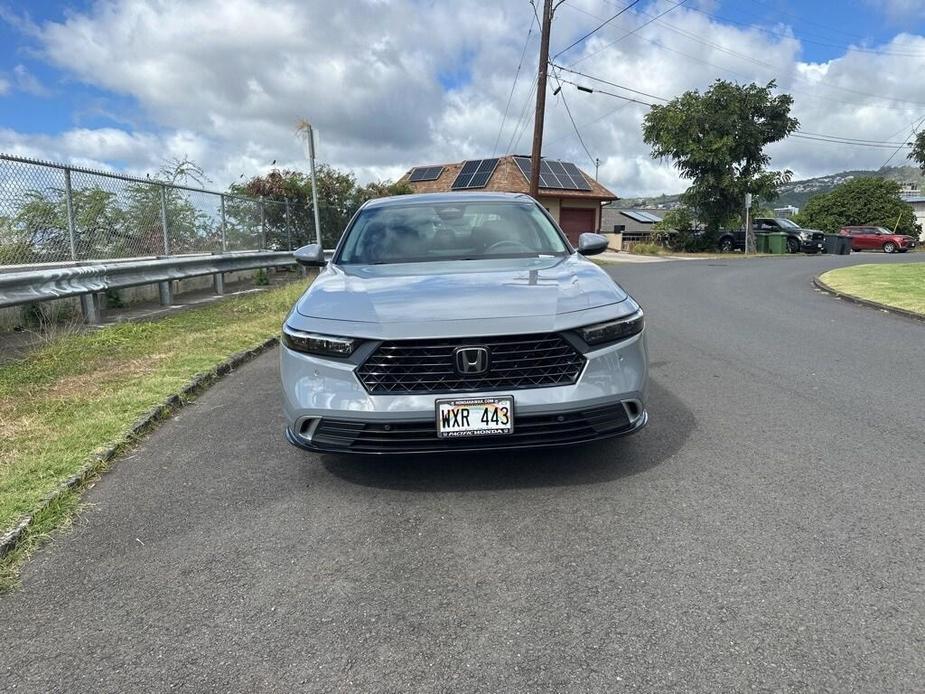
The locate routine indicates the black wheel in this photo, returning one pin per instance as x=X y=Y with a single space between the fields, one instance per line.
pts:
x=793 y=246
x=726 y=245
x=889 y=247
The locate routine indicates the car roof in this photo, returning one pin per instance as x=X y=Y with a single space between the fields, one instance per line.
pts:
x=440 y=198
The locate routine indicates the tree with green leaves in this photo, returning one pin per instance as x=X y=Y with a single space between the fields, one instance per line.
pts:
x=918 y=150
x=861 y=201
x=717 y=140
x=339 y=197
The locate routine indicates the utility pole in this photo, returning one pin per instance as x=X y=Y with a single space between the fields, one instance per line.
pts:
x=748 y=223
x=305 y=128
x=597 y=165
x=311 y=154
x=540 y=100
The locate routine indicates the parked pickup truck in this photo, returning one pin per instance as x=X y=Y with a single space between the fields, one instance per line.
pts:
x=798 y=239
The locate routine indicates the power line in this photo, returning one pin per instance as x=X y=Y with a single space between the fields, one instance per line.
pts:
x=736 y=54
x=818 y=137
x=596 y=29
x=522 y=120
x=779 y=34
x=612 y=84
x=856 y=139
x=851 y=143
x=510 y=96
x=629 y=33
x=912 y=134
x=612 y=111
x=583 y=88
x=577 y=133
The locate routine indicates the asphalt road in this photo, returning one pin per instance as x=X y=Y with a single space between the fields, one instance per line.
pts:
x=765 y=532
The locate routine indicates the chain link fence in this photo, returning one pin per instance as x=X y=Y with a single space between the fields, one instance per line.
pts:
x=52 y=213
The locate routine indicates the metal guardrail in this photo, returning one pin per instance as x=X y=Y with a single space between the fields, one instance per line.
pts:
x=88 y=281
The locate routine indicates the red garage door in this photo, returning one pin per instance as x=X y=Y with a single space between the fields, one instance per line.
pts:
x=575 y=221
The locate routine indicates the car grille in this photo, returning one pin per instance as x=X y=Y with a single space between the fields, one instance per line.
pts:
x=421 y=436
x=817 y=236
x=427 y=366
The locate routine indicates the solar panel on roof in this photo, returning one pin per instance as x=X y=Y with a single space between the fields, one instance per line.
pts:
x=475 y=174
x=562 y=175
x=425 y=173
x=578 y=179
x=641 y=216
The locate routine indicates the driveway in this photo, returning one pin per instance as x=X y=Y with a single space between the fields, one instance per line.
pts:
x=764 y=532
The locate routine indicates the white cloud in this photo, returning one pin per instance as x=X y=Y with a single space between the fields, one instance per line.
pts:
x=29 y=83
x=900 y=9
x=4 y=86
x=225 y=82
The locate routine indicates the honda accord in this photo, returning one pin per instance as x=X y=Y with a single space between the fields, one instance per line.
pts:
x=460 y=321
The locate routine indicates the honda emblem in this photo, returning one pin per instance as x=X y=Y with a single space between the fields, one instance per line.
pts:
x=471 y=360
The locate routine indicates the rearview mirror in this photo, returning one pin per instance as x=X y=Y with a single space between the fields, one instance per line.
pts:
x=311 y=255
x=591 y=244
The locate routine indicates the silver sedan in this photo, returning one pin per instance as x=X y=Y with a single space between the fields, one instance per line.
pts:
x=460 y=321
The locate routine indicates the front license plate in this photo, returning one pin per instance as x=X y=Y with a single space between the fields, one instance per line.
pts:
x=475 y=417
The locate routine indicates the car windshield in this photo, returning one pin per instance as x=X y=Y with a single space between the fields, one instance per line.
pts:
x=415 y=232
x=787 y=224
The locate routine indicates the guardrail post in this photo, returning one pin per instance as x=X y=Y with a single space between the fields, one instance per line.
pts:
x=69 y=205
x=288 y=228
x=164 y=222
x=224 y=247
x=89 y=307
x=164 y=293
x=218 y=281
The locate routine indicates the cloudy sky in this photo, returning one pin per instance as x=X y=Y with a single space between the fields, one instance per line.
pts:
x=126 y=84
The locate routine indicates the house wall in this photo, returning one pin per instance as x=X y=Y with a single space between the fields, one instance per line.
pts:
x=631 y=226
x=919 y=208
x=555 y=205
x=552 y=206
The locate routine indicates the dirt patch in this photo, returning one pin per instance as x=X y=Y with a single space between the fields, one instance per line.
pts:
x=93 y=382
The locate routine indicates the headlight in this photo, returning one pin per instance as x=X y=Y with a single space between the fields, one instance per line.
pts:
x=312 y=343
x=804 y=235
x=614 y=330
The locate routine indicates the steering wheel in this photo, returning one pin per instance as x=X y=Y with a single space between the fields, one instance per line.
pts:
x=509 y=244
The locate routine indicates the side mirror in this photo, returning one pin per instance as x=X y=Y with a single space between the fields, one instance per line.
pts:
x=311 y=255
x=591 y=244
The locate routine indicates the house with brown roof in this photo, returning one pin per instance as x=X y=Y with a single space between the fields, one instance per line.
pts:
x=572 y=197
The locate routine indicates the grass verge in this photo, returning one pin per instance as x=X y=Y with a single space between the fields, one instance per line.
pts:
x=898 y=285
x=81 y=393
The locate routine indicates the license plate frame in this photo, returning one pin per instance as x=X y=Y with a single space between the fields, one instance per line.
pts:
x=452 y=426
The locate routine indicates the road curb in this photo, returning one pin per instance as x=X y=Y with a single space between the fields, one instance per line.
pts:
x=142 y=426
x=819 y=284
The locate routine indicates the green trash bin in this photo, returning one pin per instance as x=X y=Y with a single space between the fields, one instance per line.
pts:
x=777 y=242
x=844 y=245
x=761 y=243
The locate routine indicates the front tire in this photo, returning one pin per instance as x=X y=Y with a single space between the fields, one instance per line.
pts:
x=889 y=247
x=793 y=246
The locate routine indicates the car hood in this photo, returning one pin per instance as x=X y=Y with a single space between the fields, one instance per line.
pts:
x=459 y=290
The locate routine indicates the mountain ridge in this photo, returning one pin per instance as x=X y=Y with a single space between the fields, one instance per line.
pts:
x=795 y=193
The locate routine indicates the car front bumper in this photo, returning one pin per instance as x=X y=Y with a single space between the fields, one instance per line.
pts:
x=328 y=409
x=812 y=246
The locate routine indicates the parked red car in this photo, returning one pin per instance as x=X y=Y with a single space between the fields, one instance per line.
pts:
x=878 y=239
